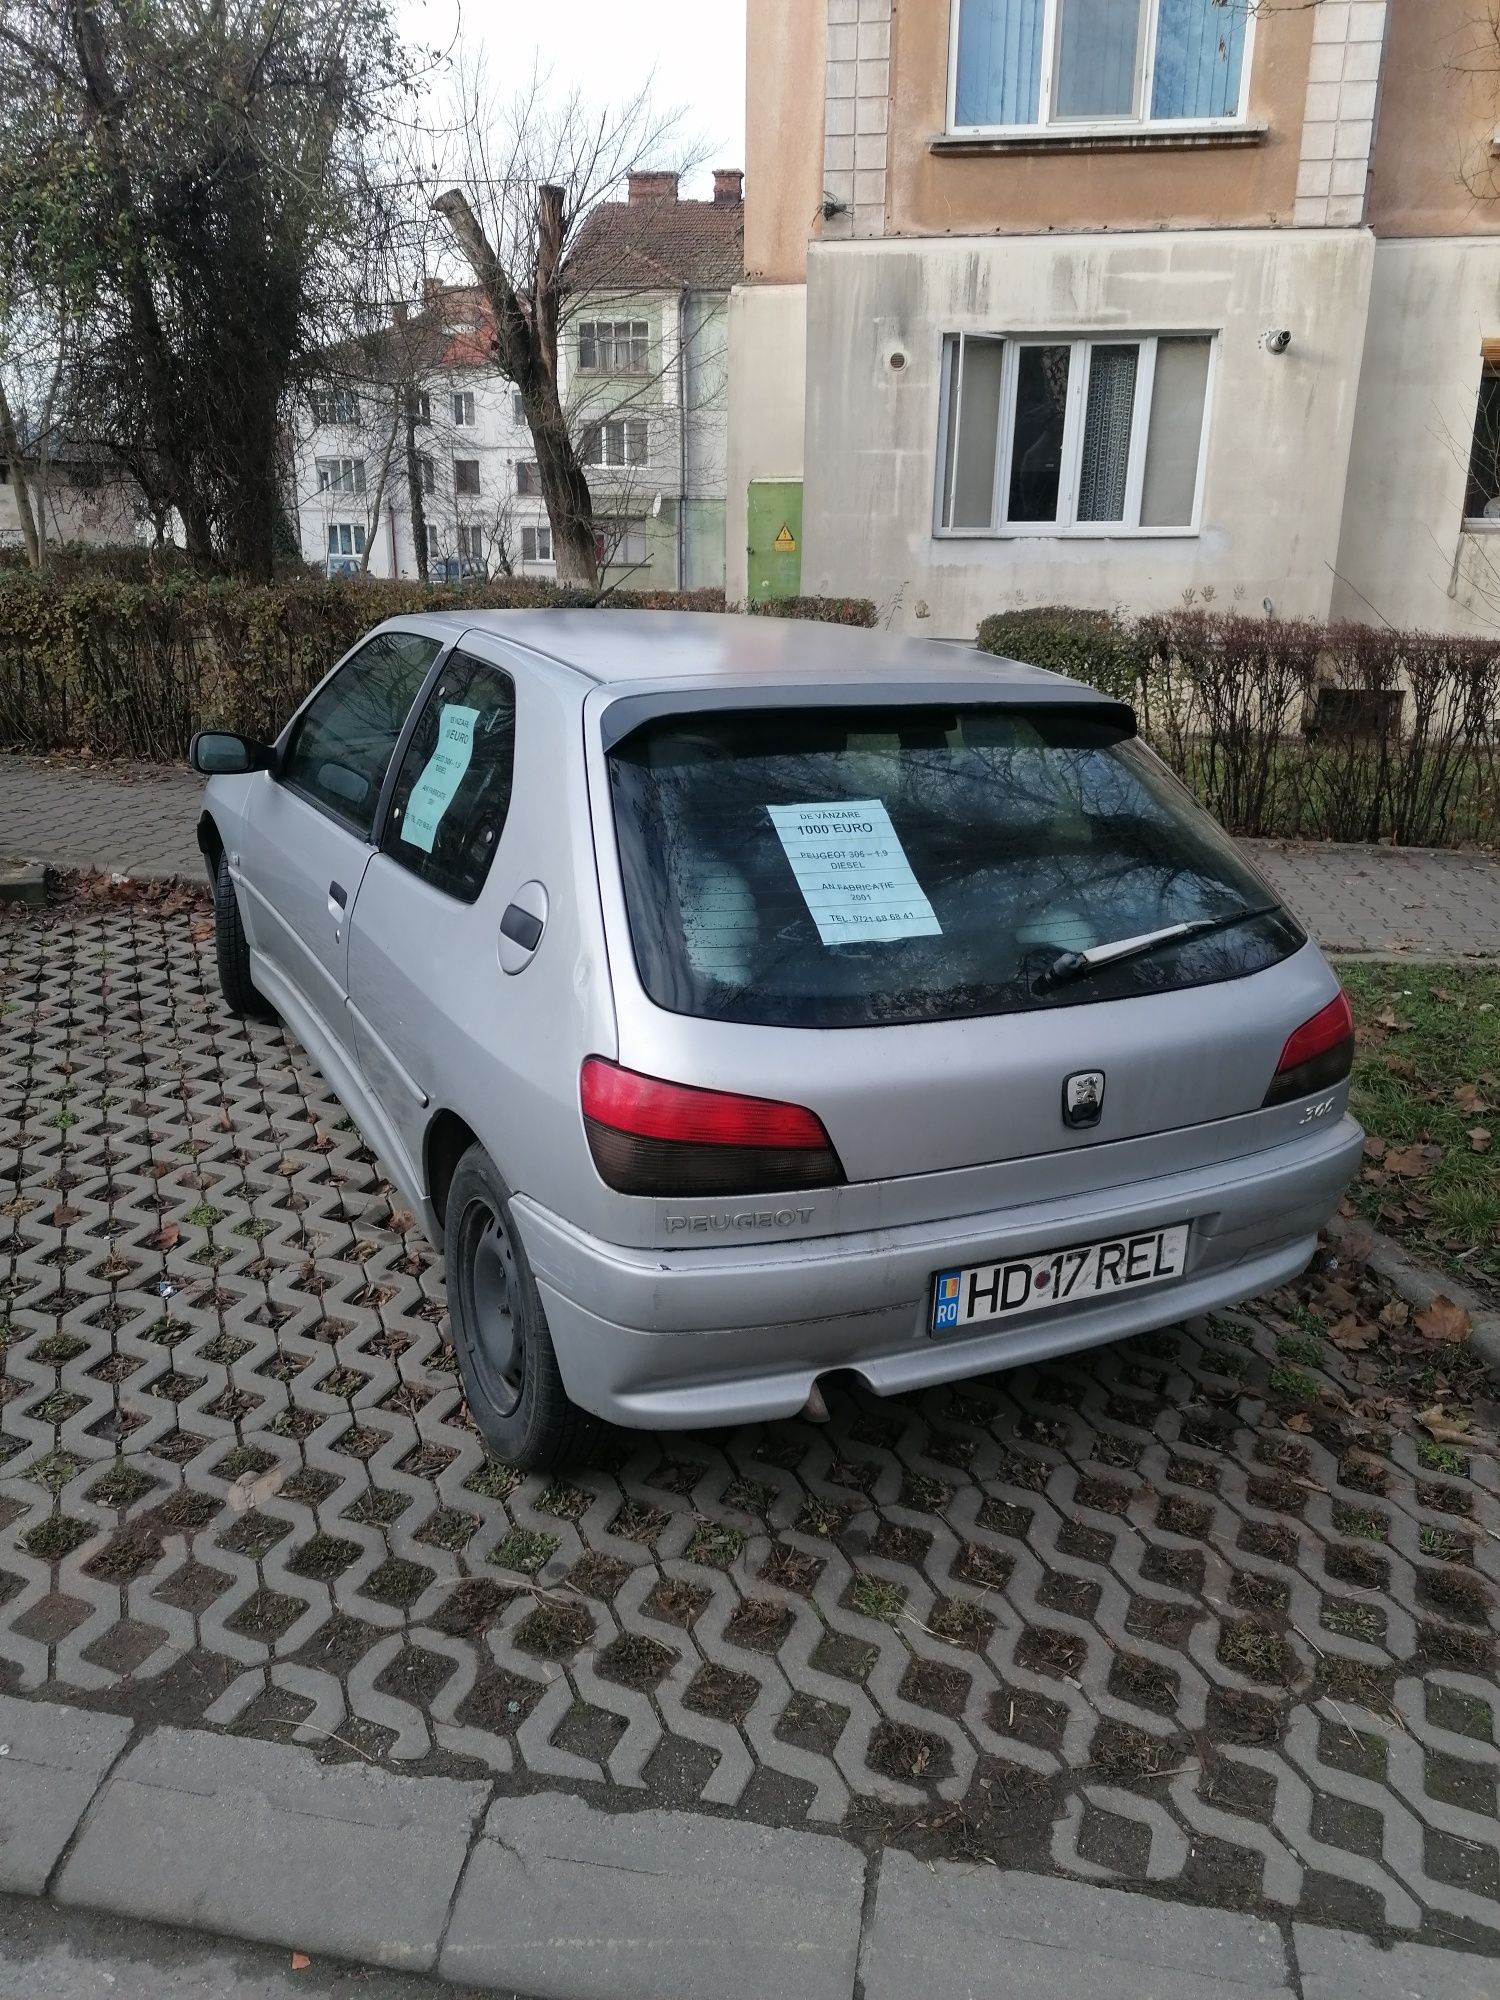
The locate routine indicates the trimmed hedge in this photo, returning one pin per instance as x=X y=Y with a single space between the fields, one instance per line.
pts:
x=1296 y=729
x=131 y=669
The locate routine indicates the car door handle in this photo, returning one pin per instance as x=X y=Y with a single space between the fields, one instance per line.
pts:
x=337 y=895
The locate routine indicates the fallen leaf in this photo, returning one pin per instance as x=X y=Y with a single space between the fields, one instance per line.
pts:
x=1448 y=1427
x=402 y=1220
x=1299 y=1421
x=1444 y=1322
x=1374 y=1147
x=62 y=1215
x=1353 y=1334
x=1365 y=1463
x=1479 y=1139
x=166 y=1236
x=1395 y=1314
x=1469 y=1099
x=1403 y=1066
x=1386 y=1018
x=1413 y=1160
x=300 y=1961
x=1442 y=993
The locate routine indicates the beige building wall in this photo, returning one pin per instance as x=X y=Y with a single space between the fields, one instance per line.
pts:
x=767 y=399
x=1436 y=171
x=1279 y=426
x=785 y=42
x=1014 y=187
x=1405 y=554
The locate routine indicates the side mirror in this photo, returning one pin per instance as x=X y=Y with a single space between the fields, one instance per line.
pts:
x=220 y=752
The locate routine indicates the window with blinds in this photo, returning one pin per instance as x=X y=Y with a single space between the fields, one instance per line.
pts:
x=1099 y=436
x=1023 y=63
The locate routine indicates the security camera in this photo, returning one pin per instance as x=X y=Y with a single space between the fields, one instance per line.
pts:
x=1278 y=340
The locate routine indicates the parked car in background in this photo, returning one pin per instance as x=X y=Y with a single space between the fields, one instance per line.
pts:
x=744 y=1002
x=457 y=569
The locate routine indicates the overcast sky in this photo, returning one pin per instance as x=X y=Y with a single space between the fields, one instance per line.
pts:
x=608 y=48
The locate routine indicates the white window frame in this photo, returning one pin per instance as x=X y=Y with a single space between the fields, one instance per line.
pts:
x=434 y=543
x=596 y=332
x=538 y=531
x=355 y=530
x=596 y=439
x=1066 y=527
x=473 y=492
x=332 y=407
x=419 y=406
x=517 y=408
x=621 y=526
x=426 y=472
x=463 y=410
x=471 y=542
x=1082 y=128
x=340 y=475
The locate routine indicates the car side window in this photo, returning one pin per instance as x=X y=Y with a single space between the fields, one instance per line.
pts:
x=453 y=789
x=344 y=738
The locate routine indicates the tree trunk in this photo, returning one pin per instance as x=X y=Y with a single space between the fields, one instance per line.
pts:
x=33 y=527
x=414 y=491
x=385 y=472
x=526 y=347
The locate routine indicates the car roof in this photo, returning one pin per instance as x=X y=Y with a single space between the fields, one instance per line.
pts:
x=704 y=649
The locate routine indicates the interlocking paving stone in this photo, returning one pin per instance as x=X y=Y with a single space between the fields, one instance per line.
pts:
x=572 y=1903
x=53 y=1761
x=255 y=1840
x=134 y=819
x=956 y=1931
x=1107 y=1618
x=1387 y=899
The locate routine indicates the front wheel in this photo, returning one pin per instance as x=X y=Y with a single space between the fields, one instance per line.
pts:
x=232 y=950
x=505 y=1357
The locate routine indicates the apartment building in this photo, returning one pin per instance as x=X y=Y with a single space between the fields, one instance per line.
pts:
x=415 y=433
x=642 y=355
x=1118 y=303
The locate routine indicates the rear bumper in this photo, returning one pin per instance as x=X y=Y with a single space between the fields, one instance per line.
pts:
x=682 y=1338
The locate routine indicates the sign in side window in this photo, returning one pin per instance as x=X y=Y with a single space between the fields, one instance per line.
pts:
x=452 y=792
x=853 y=872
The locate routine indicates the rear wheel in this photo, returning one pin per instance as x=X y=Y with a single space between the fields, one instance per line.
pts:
x=232 y=950
x=505 y=1356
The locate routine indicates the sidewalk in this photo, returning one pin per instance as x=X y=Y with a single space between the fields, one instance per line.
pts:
x=555 y=1897
x=1417 y=902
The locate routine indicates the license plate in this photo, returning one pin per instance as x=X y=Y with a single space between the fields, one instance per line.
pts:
x=983 y=1292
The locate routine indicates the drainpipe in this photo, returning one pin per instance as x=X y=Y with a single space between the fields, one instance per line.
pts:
x=682 y=299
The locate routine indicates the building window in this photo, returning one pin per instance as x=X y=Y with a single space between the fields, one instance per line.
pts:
x=619 y=542
x=463 y=408
x=1482 y=500
x=615 y=347
x=1086 y=437
x=434 y=550
x=526 y=477
x=418 y=407
x=471 y=543
x=536 y=544
x=346 y=538
x=341 y=475
x=334 y=406
x=466 y=475
x=1022 y=63
x=616 y=441
x=517 y=408
x=426 y=472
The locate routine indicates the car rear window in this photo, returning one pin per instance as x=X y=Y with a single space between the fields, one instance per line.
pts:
x=869 y=866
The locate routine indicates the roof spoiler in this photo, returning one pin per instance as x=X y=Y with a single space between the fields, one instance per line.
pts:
x=627 y=713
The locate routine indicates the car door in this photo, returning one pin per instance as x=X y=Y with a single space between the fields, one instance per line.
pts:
x=412 y=939
x=308 y=828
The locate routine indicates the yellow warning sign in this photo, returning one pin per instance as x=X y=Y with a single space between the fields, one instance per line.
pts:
x=785 y=543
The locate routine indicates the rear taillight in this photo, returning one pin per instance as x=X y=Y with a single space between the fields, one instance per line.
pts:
x=651 y=1137
x=1320 y=1054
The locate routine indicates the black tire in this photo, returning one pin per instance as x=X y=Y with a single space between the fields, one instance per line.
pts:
x=233 y=952
x=505 y=1357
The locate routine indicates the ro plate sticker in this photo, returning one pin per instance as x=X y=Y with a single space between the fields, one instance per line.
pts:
x=433 y=792
x=853 y=872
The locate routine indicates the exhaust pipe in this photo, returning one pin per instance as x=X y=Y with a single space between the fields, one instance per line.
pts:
x=815 y=1409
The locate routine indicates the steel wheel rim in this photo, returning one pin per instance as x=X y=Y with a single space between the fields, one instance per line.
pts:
x=491 y=1279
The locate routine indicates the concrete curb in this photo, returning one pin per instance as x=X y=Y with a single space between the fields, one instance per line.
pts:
x=1419 y=1284
x=553 y=1896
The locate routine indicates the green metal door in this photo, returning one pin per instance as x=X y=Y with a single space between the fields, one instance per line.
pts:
x=774 y=513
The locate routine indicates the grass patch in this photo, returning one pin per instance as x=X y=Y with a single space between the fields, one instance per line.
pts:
x=1423 y=1083
x=1442 y=1458
x=876 y=1598
x=1294 y=1385
x=525 y=1551
x=1300 y=1347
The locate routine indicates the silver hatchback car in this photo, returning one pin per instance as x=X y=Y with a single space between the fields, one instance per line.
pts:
x=742 y=1001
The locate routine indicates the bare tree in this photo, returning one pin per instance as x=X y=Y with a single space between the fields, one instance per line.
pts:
x=527 y=173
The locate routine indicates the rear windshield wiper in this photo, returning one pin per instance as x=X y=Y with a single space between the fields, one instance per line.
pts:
x=1073 y=965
